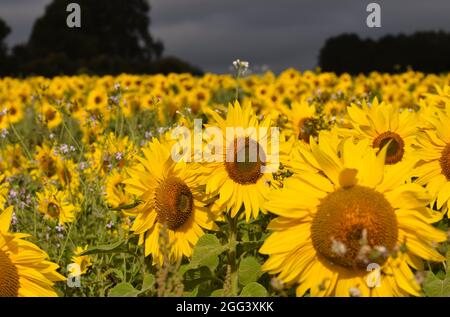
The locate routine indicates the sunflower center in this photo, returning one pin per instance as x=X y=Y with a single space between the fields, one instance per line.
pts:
x=53 y=210
x=354 y=226
x=306 y=129
x=246 y=167
x=174 y=202
x=9 y=277
x=50 y=115
x=445 y=161
x=396 y=147
x=98 y=99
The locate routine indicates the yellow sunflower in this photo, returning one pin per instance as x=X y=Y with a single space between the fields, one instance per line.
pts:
x=84 y=261
x=383 y=124
x=171 y=198
x=335 y=225
x=51 y=116
x=55 y=204
x=25 y=269
x=433 y=169
x=237 y=178
x=301 y=120
x=115 y=194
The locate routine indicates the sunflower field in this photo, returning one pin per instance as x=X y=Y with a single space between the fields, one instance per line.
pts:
x=93 y=203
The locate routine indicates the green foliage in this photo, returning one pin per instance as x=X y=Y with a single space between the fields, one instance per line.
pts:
x=253 y=289
x=249 y=270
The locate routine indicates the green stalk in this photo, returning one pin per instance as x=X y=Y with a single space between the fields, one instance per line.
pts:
x=232 y=259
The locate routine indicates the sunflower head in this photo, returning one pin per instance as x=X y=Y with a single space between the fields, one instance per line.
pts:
x=243 y=169
x=395 y=146
x=174 y=202
x=9 y=279
x=352 y=218
x=445 y=162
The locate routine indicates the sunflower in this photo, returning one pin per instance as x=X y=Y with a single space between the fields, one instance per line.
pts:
x=14 y=110
x=47 y=161
x=171 y=198
x=55 y=204
x=241 y=182
x=384 y=124
x=25 y=270
x=335 y=224
x=301 y=120
x=83 y=261
x=433 y=169
x=115 y=194
x=12 y=160
x=51 y=116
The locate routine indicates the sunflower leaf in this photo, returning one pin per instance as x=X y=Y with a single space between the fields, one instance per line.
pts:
x=124 y=290
x=115 y=247
x=253 y=289
x=206 y=252
x=148 y=283
x=249 y=270
x=217 y=293
x=126 y=207
x=436 y=287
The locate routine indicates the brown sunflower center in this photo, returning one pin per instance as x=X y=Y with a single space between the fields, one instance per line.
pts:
x=48 y=165
x=354 y=226
x=174 y=202
x=445 y=161
x=396 y=147
x=50 y=115
x=53 y=210
x=306 y=128
x=9 y=277
x=98 y=99
x=246 y=166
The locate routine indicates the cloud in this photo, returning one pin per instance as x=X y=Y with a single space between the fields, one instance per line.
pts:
x=279 y=33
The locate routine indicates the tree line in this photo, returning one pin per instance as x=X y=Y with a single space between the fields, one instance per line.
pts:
x=114 y=38
x=428 y=52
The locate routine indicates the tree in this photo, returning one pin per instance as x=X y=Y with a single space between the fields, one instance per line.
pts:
x=4 y=31
x=115 y=32
x=422 y=51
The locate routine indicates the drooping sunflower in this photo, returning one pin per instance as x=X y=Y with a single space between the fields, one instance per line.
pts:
x=238 y=178
x=172 y=198
x=352 y=215
x=384 y=124
x=25 y=269
x=433 y=169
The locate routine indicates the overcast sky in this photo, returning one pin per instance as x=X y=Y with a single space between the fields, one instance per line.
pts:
x=276 y=33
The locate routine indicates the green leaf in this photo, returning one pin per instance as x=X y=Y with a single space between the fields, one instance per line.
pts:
x=192 y=293
x=126 y=207
x=184 y=268
x=217 y=293
x=148 y=283
x=108 y=248
x=249 y=270
x=123 y=290
x=253 y=289
x=206 y=252
x=435 y=287
x=116 y=271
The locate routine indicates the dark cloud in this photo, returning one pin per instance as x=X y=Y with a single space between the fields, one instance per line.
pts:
x=278 y=33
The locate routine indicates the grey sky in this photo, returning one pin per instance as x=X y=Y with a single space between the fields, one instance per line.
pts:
x=278 y=33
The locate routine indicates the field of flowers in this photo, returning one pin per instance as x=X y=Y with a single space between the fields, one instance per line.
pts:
x=93 y=203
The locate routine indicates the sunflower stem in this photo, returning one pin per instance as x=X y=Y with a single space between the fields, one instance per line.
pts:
x=232 y=262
